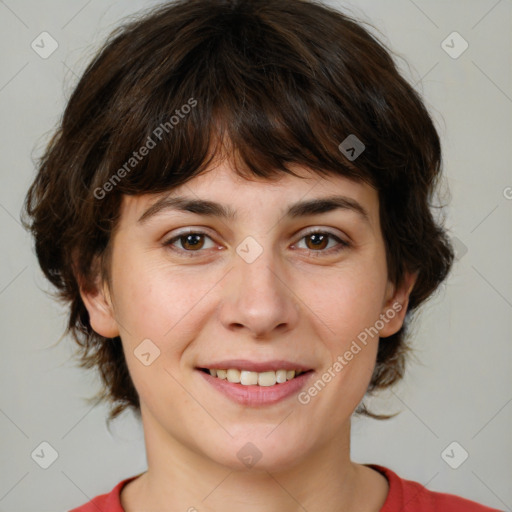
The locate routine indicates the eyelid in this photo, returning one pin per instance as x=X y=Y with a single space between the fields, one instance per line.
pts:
x=188 y=231
x=342 y=242
x=203 y=230
x=327 y=231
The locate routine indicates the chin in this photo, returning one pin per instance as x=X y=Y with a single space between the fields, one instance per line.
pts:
x=258 y=452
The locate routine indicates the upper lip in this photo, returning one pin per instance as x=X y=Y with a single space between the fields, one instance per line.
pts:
x=255 y=366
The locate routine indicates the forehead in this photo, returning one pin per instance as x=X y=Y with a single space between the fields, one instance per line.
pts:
x=247 y=198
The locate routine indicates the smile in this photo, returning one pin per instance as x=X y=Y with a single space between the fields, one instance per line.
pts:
x=248 y=378
x=255 y=384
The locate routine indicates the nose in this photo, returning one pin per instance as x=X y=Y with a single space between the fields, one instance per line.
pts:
x=259 y=299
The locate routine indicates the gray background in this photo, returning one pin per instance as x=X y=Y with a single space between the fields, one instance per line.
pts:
x=458 y=388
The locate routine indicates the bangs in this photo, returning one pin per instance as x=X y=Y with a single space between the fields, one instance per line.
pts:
x=268 y=85
x=238 y=91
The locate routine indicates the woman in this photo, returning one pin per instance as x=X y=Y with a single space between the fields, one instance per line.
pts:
x=236 y=208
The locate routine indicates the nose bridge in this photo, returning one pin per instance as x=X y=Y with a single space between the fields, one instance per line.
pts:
x=261 y=275
x=258 y=268
x=258 y=297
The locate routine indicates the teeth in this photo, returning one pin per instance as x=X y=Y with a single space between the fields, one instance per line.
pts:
x=267 y=378
x=247 y=378
x=281 y=376
x=233 y=375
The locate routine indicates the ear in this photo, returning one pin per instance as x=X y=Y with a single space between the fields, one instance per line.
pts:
x=395 y=305
x=98 y=302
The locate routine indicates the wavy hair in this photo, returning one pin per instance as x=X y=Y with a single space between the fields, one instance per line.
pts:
x=278 y=82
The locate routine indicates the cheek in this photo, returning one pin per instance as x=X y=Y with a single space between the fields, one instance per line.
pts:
x=346 y=301
x=346 y=316
x=155 y=299
x=160 y=303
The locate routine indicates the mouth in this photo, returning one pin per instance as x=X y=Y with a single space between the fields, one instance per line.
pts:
x=251 y=378
x=255 y=384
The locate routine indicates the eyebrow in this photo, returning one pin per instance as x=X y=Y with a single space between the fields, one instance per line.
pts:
x=212 y=209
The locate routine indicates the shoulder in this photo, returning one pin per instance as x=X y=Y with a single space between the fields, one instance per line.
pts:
x=411 y=496
x=109 y=502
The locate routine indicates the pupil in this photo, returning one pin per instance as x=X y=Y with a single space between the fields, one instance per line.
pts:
x=192 y=240
x=317 y=239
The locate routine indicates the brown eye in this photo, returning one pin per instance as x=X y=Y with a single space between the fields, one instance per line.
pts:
x=192 y=241
x=318 y=241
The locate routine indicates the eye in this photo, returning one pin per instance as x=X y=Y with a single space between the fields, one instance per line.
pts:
x=318 y=240
x=191 y=241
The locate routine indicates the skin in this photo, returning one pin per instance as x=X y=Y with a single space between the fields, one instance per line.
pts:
x=287 y=304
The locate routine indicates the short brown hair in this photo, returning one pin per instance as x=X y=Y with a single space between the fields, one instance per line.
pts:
x=276 y=82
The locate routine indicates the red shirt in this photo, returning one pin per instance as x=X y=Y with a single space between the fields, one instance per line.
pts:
x=403 y=495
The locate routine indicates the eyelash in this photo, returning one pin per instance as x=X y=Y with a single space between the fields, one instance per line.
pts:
x=343 y=244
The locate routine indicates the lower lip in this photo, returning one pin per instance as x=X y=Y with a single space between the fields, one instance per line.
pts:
x=257 y=395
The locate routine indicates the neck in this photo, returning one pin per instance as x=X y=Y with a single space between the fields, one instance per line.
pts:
x=181 y=478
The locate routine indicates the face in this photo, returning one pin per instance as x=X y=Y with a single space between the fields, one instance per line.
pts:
x=263 y=291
